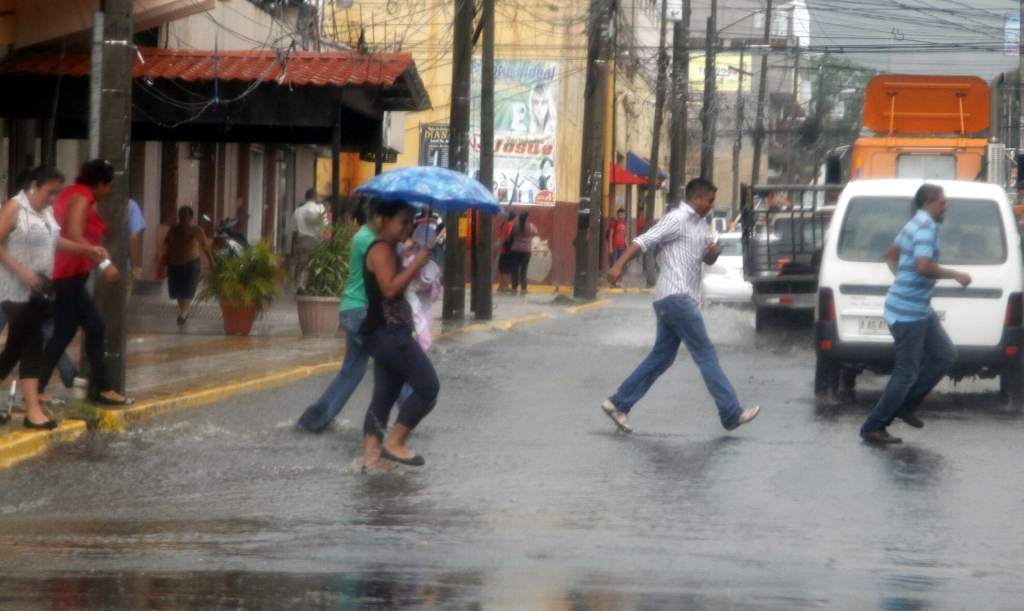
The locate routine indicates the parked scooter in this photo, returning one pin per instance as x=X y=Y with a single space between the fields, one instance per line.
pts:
x=228 y=241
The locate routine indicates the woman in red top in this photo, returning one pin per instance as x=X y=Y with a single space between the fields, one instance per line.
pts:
x=75 y=210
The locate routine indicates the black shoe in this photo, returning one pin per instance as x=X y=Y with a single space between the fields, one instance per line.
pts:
x=49 y=425
x=415 y=461
x=100 y=399
x=881 y=437
x=911 y=419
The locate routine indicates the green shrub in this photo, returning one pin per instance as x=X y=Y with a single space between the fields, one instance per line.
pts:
x=326 y=270
x=252 y=278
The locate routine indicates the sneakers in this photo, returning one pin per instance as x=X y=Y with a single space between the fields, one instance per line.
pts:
x=745 y=417
x=880 y=437
x=619 y=418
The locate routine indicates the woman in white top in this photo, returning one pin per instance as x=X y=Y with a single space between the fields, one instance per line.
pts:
x=29 y=236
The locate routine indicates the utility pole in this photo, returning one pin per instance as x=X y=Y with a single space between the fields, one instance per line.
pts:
x=595 y=95
x=1020 y=90
x=114 y=138
x=709 y=111
x=454 y=305
x=791 y=139
x=680 y=101
x=737 y=145
x=485 y=223
x=659 y=107
x=762 y=90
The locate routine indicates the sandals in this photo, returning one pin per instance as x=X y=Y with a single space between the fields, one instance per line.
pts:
x=101 y=400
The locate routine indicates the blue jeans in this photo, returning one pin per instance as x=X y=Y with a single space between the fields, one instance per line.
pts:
x=680 y=321
x=318 y=416
x=923 y=356
x=65 y=366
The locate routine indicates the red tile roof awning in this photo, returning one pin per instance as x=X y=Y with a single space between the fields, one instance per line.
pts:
x=296 y=68
x=621 y=176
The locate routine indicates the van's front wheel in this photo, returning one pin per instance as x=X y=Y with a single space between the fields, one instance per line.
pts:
x=1011 y=383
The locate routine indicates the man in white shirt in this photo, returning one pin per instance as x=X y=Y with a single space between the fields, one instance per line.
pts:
x=310 y=220
x=682 y=236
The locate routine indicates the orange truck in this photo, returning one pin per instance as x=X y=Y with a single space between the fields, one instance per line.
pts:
x=932 y=127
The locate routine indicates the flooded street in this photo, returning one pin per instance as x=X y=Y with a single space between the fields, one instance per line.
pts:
x=530 y=498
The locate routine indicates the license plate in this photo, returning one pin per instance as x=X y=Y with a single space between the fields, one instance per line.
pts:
x=873 y=326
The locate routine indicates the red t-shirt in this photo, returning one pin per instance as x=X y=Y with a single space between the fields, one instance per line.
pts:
x=617 y=230
x=67 y=265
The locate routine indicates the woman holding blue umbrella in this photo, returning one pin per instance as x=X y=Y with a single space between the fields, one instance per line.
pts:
x=388 y=337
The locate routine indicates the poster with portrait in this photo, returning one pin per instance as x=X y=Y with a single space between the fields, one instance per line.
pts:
x=524 y=130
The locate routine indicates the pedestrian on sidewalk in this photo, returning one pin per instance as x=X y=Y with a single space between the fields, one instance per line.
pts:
x=184 y=246
x=80 y=223
x=310 y=220
x=523 y=233
x=924 y=352
x=29 y=237
x=319 y=415
x=682 y=236
x=388 y=333
x=616 y=237
x=505 y=262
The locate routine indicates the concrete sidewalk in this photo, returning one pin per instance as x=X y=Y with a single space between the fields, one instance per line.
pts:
x=172 y=368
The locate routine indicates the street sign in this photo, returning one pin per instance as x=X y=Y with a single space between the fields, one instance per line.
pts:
x=674 y=10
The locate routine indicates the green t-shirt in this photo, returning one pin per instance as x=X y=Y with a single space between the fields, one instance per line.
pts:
x=355 y=289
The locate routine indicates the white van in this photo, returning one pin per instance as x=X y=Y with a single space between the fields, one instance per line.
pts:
x=979 y=236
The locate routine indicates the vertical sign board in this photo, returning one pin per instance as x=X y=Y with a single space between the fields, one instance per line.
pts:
x=525 y=114
x=434 y=144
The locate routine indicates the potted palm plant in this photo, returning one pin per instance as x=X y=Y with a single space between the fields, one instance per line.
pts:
x=244 y=284
x=322 y=282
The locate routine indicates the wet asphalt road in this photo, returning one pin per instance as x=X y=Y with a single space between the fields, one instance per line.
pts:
x=531 y=500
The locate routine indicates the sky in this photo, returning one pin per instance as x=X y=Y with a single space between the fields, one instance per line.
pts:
x=914 y=36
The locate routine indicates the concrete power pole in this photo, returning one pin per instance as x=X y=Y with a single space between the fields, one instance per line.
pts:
x=485 y=223
x=762 y=90
x=113 y=135
x=709 y=112
x=737 y=145
x=1020 y=90
x=595 y=94
x=454 y=305
x=680 y=101
x=652 y=174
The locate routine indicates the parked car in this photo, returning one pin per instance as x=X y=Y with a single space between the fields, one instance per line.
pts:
x=724 y=282
x=979 y=236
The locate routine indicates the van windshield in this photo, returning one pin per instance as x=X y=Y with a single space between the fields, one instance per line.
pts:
x=972 y=233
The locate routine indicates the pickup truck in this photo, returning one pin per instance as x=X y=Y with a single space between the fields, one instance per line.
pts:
x=783 y=229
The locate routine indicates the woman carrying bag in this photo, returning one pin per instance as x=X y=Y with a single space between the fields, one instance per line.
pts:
x=29 y=237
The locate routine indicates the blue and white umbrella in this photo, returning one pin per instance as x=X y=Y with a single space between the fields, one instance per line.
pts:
x=440 y=188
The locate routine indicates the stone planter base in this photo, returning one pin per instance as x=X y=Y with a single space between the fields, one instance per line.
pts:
x=318 y=316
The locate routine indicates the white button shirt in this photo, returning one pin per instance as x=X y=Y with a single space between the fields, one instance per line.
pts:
x=683 y=237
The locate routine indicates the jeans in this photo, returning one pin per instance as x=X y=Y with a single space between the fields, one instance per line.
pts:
x=318 y=416
x=924 y=354
x=616 y=255
x=520 y=263
x=72 y=308
x=65 y=366
x=680 y=321
x=398 y=360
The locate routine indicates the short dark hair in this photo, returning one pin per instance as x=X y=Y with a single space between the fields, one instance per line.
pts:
x=311 y=193
x=927 y=193
x=623 y=210
x=186 y=212
x=39 y=175
x=699 y=187
x=391 y=208
x=95 y=172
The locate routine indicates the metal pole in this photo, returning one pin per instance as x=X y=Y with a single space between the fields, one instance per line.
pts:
x=762 y=90
x=485 y=222
x=680 y=101
x=454 y=306
x=737 y=145
x=595 y=96
x=709 y=112
x=114 y=141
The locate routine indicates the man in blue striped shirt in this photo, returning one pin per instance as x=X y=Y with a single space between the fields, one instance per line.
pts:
x=923 y=350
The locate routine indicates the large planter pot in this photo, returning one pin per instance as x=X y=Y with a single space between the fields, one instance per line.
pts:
x=237 y=320
x=318 y=316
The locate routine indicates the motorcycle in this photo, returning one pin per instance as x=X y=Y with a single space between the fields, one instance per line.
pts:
x=228 y=241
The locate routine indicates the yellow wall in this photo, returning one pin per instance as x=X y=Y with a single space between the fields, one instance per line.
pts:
x=527 y=29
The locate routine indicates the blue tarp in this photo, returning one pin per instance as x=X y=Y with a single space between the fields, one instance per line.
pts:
x=636 y=164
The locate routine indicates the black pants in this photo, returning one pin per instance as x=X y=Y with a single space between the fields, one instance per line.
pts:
x=24 y=339
x=520 y=261
x=74 y=308
x=398 y=360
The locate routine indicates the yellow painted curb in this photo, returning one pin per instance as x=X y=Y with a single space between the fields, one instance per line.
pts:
x=501 y=325
x=593 y=305
x=20 y=445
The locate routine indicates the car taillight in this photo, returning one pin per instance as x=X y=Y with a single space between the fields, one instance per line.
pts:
x=1014 y=310
x=826 y=305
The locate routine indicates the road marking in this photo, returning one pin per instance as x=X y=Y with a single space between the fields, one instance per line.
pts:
x=593 y=305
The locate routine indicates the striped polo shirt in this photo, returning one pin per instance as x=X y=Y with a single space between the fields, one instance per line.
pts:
x=910 y=296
